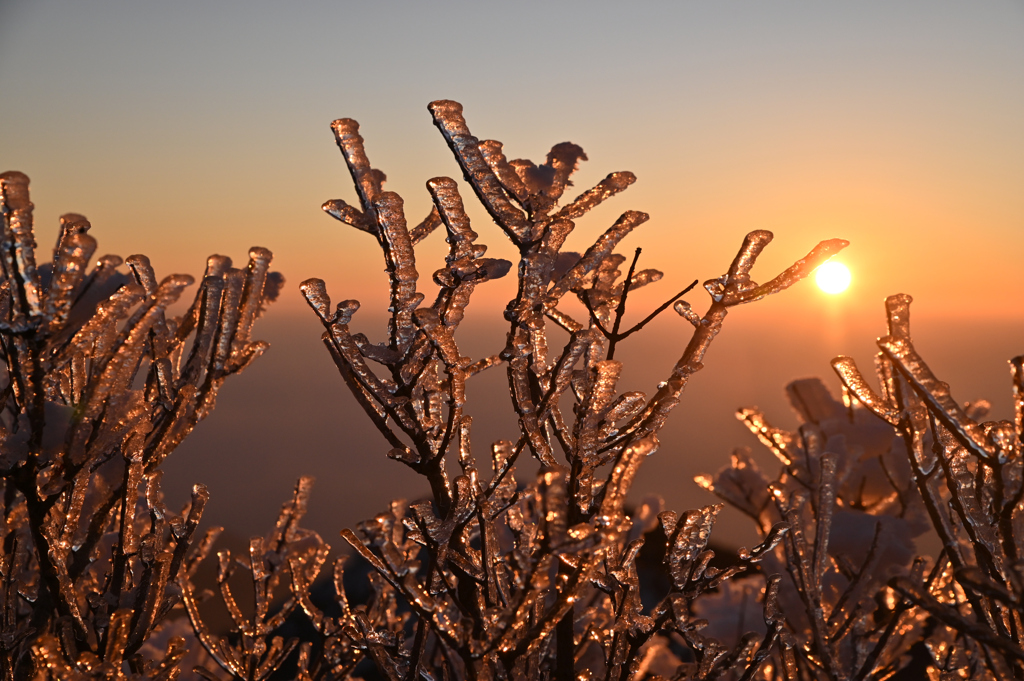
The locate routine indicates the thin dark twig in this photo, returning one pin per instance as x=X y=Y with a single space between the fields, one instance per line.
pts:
x=614 y=336
x=620 y=310
x=664 y=306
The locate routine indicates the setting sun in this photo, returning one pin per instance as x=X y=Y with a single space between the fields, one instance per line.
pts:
x=833 y=277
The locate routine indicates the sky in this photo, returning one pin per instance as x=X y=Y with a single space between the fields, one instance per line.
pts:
x=190 y=128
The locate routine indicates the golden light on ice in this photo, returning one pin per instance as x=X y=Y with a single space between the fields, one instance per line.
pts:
x=833 y=277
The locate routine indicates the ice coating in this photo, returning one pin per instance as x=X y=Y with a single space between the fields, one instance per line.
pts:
x=601 y=249
x=1017 y=374
x=426 y=227
x=934 y=392
x=487 y=579
x=502 y=578
x=851 y=377
x=341 y=211
x=71 y=261
x=465 y=265
x=506 y=174
x=246 y=652
x=449 y=120
x=368 y=182
x=604 y=190
x=17 y=246
x=736 y=287
x=401 y=267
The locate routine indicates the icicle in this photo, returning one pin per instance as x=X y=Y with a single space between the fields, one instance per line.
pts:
x=286 y=528
x=897 y=309
x=445 y=193
x=626 y=406
x=742 y=290
x=353 y=541
x=315 y=292
x=200 y=495
x=737 y=279
x=426 y=227
x=105 y=269
x=118 y=371
x=465 y=451
x=687 y=540
x=70 y=225
x=210 y=295
x=202 y=550
x=598 y=398
x=1017 y=374
x=826 y=506
x=483 y=364
x=772 y=539
x=227 y=319
x=639 y=280
x=563 y=320
x=427 y=320
x=562 y=372
x=117 y=637
x=72 y=512
x=225 y=568
x=465 y=266
x=150 y=599
x=772 y=613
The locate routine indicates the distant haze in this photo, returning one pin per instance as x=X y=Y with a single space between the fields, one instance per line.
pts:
x=189 y=128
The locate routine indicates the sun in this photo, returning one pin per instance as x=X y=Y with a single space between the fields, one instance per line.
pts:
x=833 y=277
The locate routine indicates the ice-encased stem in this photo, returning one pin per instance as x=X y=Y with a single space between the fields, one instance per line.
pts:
x=449 y=120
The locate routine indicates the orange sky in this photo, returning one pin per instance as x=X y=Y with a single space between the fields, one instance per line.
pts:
x=182 y=130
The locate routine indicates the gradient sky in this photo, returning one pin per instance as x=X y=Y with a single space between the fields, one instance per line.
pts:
x=188 y=128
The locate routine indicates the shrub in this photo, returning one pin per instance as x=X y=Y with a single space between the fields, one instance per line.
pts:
x=859 y=479
x=100 y=385
x=490 y=577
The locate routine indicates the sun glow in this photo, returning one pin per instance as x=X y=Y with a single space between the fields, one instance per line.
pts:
x=833 y=277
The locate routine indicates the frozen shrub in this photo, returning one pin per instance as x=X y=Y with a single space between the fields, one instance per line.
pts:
x=859 y=479
x=99 y=385
x=490 y=576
